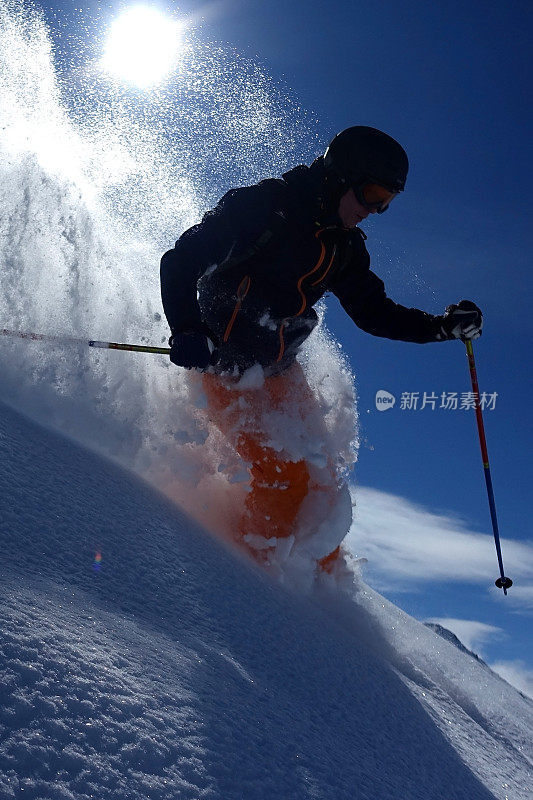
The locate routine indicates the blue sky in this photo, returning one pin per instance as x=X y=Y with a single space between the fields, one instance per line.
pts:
x=450 y=80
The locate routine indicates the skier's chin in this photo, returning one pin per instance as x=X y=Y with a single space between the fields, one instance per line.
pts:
x=350 y=224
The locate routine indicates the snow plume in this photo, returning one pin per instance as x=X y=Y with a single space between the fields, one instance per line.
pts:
x=93 y=190
x=319 y=427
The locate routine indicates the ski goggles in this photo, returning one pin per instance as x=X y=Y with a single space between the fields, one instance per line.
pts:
x=374 y=197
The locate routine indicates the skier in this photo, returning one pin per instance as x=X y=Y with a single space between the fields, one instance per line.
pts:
x=238 y=289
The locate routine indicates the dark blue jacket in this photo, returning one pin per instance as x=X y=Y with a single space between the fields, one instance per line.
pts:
x=251 y=271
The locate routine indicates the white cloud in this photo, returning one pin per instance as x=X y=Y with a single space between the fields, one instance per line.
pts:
x=472 y=634
x=407 y=544
x=517 y=674
x=522 y=595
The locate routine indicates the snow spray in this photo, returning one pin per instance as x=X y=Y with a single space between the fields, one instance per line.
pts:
x=96 y=181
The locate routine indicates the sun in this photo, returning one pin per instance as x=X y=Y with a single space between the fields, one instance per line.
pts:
x=142 y=46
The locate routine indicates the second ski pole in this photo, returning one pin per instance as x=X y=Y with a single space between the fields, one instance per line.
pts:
x=502 y=582
x=43 y=337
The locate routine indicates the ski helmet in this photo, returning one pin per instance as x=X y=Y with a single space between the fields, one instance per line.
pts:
x=361 y=154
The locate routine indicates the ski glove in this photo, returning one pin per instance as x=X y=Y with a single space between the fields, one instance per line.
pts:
x=192 y=350
x=462 y=320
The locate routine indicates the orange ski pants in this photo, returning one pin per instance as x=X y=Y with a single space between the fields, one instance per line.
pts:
x=277 y=486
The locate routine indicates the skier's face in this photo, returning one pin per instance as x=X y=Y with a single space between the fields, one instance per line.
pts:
x=351 y=212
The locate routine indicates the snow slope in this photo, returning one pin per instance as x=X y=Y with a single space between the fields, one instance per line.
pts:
x=141 y=659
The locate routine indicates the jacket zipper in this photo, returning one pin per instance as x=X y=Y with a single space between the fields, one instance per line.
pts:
x=302 y=295
x=242 y=290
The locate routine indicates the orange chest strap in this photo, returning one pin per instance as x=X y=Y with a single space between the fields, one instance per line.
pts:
x=242 y=290
x=317 y=266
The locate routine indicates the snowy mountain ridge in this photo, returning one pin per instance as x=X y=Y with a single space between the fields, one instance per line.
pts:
x=453 y=639
x=142 y=659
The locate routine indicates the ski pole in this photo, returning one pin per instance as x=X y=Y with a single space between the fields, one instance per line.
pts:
x=502 y=582
x=43 y=337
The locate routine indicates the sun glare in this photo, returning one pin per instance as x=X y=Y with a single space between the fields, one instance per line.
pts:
x=142 y=46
